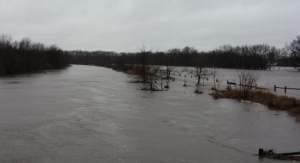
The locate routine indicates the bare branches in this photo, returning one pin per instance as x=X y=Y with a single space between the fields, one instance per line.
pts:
x=247 y=81
x=295 y=52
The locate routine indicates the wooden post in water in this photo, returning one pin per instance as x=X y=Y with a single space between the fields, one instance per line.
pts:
x=275 y=87
x=185 y=81
x=285 y=89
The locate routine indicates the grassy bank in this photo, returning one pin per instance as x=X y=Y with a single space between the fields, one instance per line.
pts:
x=273 y=101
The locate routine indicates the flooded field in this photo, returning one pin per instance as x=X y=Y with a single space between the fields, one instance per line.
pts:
x=93 y=114
x=279 y=76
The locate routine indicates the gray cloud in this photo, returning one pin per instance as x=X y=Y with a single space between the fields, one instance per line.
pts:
x=127 y=25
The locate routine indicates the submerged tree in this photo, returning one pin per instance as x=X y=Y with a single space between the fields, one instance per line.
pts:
x=200 y=74
x=247 y=82
x=149 y=74
x=144 y=65
x=153 y=77
x=215 y=80
x=168 y=72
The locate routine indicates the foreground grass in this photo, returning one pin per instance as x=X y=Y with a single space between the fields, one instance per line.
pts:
x=275 y=102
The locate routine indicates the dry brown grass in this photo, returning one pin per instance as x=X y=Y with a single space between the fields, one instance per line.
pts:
x=263 y=97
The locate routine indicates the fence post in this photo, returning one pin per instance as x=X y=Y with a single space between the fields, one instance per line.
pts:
x=275 y=87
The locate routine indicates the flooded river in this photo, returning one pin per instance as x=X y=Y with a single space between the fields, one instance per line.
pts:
x=93 y=114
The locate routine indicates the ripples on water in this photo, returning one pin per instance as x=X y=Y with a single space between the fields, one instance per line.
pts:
x=93 y=114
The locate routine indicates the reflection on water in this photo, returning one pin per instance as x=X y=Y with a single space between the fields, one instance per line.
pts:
x=93 y=114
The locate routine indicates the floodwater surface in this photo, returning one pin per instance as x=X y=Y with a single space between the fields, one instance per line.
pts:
x=279 y=76
x=93 y=114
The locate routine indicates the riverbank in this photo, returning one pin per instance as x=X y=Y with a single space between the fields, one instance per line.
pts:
x=274 y=102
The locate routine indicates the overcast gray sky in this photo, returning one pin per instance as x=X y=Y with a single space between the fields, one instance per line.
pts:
x=128 y=25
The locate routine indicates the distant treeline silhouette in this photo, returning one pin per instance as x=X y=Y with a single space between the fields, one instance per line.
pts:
x=17 y=57
x=260 y=56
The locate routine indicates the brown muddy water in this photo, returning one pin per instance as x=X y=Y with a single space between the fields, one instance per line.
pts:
x=93 y=114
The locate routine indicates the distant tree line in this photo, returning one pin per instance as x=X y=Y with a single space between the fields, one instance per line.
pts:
x=260 y=56
x=295 y=52
x=17 y=57
x=98 y=58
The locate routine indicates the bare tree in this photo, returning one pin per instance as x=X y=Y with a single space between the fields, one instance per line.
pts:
x=5 y=41
x=295 y=52
x=168 y=72
x=199 y=71
x=200 y=74
x=247 y=82
x=150 y=75
x=168 y=78
x=144 y=65
x=24 y=56
x=153 y=77
x=214 y=78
